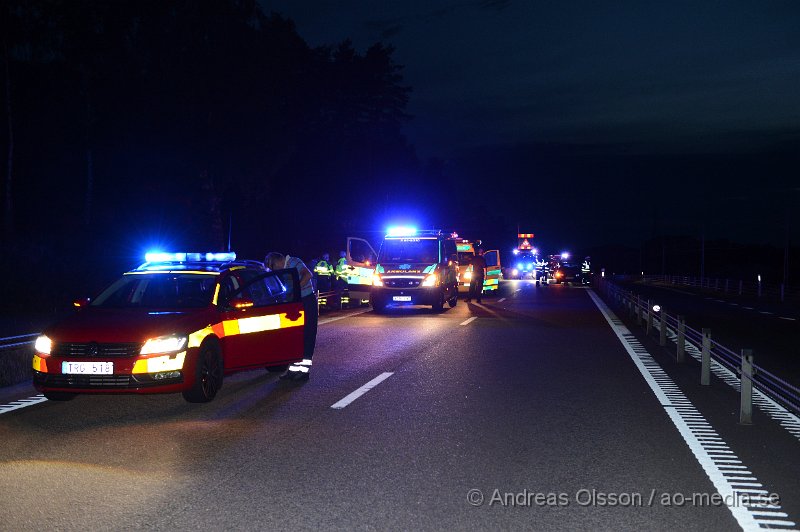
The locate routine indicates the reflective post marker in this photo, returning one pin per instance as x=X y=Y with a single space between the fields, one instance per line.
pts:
x=680 y=355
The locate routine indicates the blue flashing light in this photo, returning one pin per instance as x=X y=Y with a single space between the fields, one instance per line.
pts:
x=221 y=257
x=535 y=251
x=516 y=251
x=158 y=256
x=401 y=231
x=519 y=265
x=565 y=255
x=529 y=266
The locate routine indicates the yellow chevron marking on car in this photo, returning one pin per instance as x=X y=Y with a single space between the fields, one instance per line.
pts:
x=252 y=324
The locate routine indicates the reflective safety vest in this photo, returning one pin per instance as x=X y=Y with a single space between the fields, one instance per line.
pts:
x=341 y=265
x=323 y=268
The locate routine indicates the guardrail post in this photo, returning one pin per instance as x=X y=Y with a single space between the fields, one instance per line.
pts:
x=726 y=285
x=638 y=309
x=649 y=318
x=781 y=292
x=680 y=354
x=662 y=327
x=740 y=287
x=705 y=367
x=746 y=409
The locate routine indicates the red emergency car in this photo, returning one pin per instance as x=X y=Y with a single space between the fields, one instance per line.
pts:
x=177 y=323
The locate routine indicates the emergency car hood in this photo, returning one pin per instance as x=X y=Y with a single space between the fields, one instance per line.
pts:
x=414 y=268
x=126 y=325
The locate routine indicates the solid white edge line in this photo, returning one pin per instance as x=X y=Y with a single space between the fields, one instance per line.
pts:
x=349 y=398
x=468 y=320
x=22 y=403
x=713 y=470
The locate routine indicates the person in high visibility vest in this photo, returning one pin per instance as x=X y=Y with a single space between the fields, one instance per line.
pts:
x=341 y=267
x=324 y=271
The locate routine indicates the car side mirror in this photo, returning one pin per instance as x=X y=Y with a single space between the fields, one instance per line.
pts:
x=240 y=303
x=81 y=303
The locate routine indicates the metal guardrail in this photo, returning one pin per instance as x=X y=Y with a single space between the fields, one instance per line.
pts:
x=702 y=347
x=736 y=287
x=17 y=341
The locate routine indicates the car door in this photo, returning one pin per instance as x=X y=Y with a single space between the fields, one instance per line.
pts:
x=268 y=328
x=493 y=269
x=361 y=259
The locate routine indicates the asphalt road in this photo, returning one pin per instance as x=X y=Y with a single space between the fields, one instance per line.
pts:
x=536 y=395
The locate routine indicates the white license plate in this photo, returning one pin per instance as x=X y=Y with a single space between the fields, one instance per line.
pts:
x=87 y=368
x=401 y=298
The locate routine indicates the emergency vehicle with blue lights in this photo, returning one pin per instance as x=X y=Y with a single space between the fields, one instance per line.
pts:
x=415 y=268
x=525 y=263
x=179 y=322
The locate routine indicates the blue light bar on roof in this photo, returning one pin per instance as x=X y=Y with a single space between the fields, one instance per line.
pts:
x=158 y=256
x=401 y=231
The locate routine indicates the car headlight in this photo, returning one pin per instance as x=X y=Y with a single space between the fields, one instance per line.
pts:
x=430 y=280
x=43 y=345
x=468 y=275
x=163 y=344
x=515 y=272
x=376 y=279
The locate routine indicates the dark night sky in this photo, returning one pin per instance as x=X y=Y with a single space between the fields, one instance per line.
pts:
x=677 y=116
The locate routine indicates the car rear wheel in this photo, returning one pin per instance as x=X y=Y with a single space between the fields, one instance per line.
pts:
x=207 y=376
x=60 y=396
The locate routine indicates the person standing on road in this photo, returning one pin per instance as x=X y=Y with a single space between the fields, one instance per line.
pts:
x=324 y=271
x=478 y=275
x=299 y=371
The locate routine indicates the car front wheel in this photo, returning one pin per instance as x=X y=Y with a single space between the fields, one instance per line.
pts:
x=207 y=376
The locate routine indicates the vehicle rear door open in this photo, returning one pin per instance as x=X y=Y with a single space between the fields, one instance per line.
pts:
x=492 y=280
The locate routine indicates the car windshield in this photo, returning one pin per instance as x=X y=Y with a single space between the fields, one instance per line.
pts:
x=410 y=250
x=158 y=291
x=465 y=257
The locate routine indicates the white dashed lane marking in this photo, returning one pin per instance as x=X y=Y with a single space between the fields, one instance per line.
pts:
x=361 y=391
x=469 y=320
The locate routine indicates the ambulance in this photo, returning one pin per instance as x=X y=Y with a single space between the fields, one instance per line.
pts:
x=415 y=268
